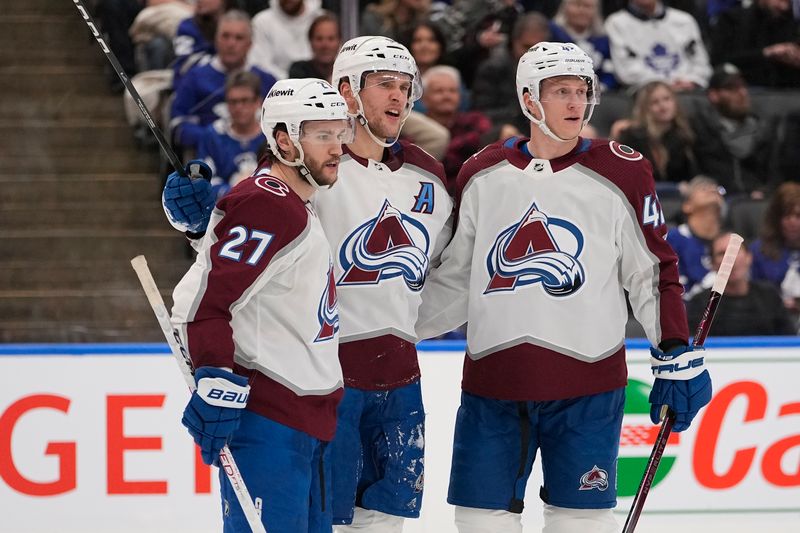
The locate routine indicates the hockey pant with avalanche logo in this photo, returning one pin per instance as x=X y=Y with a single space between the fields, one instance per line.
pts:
x=287 y=473
x=377 y=453
x=496 y=442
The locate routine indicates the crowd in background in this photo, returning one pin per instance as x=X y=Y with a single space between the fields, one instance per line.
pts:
x=707 y=90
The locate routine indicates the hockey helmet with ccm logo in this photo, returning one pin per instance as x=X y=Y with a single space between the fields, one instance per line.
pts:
x=363 y=55
x=547 y=60
x=292 y=102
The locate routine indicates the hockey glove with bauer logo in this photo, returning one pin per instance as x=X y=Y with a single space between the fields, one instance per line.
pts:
x=682 y=383
x=214 y=409
x=188 y=202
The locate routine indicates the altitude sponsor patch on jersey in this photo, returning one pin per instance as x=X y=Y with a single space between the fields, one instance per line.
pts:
x=624 y=151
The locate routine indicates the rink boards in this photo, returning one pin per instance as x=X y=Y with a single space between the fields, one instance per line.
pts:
x=90 y=439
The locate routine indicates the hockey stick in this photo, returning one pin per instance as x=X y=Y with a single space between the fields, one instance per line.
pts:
x=226 y=460
x=667 y=415
x=162 y=142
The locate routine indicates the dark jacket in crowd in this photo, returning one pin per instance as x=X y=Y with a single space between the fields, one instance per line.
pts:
x=760 y=312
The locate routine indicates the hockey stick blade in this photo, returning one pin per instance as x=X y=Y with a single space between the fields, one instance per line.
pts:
x=139 y=264
x=123 y=76
x=667 y=416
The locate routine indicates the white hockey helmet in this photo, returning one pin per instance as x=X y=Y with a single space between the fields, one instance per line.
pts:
x=547 y=60
x=363 y=55
x=292 y=102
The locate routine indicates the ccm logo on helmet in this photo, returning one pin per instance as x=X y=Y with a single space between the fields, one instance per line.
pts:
x=280 y=92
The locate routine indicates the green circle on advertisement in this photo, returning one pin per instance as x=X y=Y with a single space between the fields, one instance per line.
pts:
x=630 y=468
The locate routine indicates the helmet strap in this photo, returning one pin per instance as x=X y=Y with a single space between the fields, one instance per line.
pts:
x=362 y=119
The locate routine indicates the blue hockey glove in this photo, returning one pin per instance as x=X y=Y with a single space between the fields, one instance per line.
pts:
x=681 y=382
x=188 y=202
x=213 y=411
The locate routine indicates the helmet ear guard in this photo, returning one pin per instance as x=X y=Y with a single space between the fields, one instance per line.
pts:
x=292 y=102
x=548 y=60
x=362 y=56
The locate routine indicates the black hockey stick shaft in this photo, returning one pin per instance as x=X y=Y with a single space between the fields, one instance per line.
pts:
x=162 y=142
x=667 y=415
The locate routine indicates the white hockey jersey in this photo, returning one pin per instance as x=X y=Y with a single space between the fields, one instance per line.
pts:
x=666 y=48
x=260 y=298
x=537 y=267
x=387 y=223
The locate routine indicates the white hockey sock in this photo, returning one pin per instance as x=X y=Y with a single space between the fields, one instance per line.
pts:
x=372 y=521
x=562 y=520
x=473 y=520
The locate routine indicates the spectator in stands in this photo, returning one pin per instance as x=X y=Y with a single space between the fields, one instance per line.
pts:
x=580 y=22
x=325 y=38
x=474 y=30
x=427 y=44
x=154 y=30
x=195 y=36
x=750 y=307
x=734 y=145
x=660 y=130
x=650 y=41
x=493 y=90
x=776 y=254
x=442 y=93
x=704 y=210
x=393 y=18
x=763 y=40
x=231 y=145
x=199 y=97
x=280 y=35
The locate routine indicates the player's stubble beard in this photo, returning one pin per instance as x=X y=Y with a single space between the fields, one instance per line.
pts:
x=320 y=173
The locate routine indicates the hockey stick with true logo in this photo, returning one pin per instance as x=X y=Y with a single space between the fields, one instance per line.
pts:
x=667 y=416
x=162 y=142
x=226 y=461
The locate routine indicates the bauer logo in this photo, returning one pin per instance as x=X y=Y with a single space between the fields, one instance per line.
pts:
x=637 y=440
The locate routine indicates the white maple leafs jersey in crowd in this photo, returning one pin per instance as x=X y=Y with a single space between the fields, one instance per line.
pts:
x=387 y=223
x=667 y=48
x=541 y=254
x=260 y=298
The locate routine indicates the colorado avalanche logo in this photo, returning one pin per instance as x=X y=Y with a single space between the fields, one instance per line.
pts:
x=596 y=478
x=528 y=252
x=328 y=312
x=391 y=244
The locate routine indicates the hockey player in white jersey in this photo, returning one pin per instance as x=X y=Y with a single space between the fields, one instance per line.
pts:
x=387 y=220
x=257 y=312
x=551 y=232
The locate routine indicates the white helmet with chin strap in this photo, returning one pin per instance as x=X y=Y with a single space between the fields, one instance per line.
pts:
x=363 y=55
x=547 y=60
x=292 y=102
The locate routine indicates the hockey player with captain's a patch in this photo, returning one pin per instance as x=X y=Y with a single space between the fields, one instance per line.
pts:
x=552 y=231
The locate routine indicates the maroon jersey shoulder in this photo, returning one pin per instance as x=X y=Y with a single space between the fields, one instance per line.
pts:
x=486 y=158
x=268 y=204
x=621 y=165
x=414 y=155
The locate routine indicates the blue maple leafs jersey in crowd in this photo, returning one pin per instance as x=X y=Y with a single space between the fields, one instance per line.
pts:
x=228 y=154
x=260 y=298
x=542 y=255
x=200 y=99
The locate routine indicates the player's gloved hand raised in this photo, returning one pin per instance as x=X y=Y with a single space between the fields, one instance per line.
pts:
x=681 y=382
x=188 y=202
x=213 y=411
